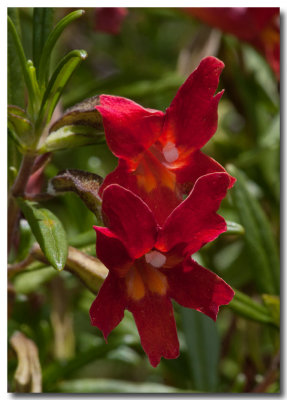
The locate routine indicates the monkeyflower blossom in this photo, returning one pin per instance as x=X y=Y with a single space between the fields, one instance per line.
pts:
x=110 y=19
x=258 y=26
x=150 y=265
x=159 y=153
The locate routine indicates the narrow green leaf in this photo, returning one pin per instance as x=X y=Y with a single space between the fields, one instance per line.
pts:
x=203 y=345
x=58 y=81
x=13 y=109
x=250 y=309
x=264 y=259
x=273 y=305
x=50 y=43
x=69 y=137
x=114 y=386
x=20 y=126
x=14 y=159
x=21 y=56
x=34 y=82
x=15 y=76
x=26 y=240
x=48 y=231
x=42 y=26
x=234 y=229
x=84 y=184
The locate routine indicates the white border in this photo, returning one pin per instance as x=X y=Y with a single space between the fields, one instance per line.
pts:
x=3 y=158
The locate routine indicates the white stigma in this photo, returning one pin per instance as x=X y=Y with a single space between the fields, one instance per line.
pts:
x=155 y=258
x=170 y=152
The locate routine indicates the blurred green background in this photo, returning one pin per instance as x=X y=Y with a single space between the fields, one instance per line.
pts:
x=151 y=56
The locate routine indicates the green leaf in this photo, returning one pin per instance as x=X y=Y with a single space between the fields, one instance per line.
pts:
x=84 y=184
x=30 y=280
x=113 y=386
x=203 y=347
x=22 y=58
x=26 y=240
x=251 y=309
x=58 y=81
x=264 y=259
x=15 y=76
x=273 y=305
x=42 y=26
x=48 y=231
x=69 y=137
x=50 y=43
x=233 y=228
x=20 y=125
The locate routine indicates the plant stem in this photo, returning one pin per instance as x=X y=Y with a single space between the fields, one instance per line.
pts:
x=18 y=267
x=18 y=189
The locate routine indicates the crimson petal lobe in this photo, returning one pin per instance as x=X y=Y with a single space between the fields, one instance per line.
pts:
x=195 y=222
x=107 y=310
x=129 y=128
x=191 y=119
x=194 y=286
x=130 y=219
x=156 y=325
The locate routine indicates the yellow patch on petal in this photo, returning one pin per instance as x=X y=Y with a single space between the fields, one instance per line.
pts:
x=135 y=284
x=155 y=280
x=151 y=173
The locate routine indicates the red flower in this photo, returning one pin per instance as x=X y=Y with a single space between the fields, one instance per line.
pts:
x=159 y=153
x=150 y=265
x=110 y=19
x=257 y=26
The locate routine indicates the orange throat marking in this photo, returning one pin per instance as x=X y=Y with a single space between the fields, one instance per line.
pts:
x=143 y=278
x=151 y=173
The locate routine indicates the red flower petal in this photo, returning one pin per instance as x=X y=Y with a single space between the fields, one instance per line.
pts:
x=161 y=194
x=129 y=128
x=130 y=219
x=191 y=119
x=196 y=287
x=118 y=260
x=107 y=310
x=195 y=222
x=154 y=318
x=197 y=165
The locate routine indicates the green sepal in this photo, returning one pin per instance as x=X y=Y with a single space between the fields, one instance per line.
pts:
x=69 y=137
x=85 y=184
x=83 y=113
